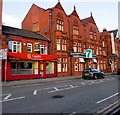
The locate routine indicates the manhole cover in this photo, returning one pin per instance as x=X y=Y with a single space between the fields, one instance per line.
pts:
x=58 y=96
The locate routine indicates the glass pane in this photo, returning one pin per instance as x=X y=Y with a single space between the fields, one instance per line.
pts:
x=41 y=66
x=50 y=68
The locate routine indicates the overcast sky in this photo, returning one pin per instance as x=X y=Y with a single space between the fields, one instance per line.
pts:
x=105 y=12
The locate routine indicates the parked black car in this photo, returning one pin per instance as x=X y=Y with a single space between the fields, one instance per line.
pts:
x=118 y=72
x=92 y=73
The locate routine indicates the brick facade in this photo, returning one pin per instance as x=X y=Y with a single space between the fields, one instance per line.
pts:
x=71 y=37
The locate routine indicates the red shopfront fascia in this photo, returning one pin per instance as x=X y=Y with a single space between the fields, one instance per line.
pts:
x=31 y=56
x=41 y=58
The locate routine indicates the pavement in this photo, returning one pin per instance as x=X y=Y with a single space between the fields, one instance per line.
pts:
x=42 y=80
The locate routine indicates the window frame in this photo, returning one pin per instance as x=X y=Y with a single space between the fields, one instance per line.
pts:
x=29 y=47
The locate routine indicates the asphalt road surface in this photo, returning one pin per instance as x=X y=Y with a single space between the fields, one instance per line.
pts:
x=70 y=96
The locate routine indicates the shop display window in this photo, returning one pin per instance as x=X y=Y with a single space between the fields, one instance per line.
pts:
x=50 y=68
x=23 y=68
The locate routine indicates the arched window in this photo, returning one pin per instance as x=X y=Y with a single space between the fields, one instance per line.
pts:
x=60 y=22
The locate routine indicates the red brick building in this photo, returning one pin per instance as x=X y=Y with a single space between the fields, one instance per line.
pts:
x=70 y=37
x=27 y=55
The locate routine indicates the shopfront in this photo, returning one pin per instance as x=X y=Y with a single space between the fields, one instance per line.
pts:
x=28 y=66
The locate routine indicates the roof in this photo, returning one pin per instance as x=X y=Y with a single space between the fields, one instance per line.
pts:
x=74 y=12
x=23 y=33
x=114 y=32
x=87 y=20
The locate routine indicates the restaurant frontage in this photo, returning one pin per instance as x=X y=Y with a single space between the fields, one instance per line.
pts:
x=29 y=66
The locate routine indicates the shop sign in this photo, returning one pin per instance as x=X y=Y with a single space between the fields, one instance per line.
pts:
x=36 y=47
x=89 y=53
x=3 y=53
x=34 y=56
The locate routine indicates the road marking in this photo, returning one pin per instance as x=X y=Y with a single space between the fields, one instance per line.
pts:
x=107 y=98
x=71 y=87
x=73 y=113
x=110 y=107
x=7 y=96
x=83 y=83
x=13 y=99
x=56 y=88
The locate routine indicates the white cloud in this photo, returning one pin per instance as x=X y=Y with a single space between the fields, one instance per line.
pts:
x=11 y=21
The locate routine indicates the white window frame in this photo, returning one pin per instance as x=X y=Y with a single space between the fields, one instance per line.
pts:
x=58 y=44
x=16 y=45
x=44 y=47
x=64 y=44
x=75 y=46
x=59 y=65
x=29 y=47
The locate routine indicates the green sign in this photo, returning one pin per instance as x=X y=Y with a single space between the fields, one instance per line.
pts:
x=88 y=53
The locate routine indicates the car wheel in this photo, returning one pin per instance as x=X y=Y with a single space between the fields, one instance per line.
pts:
x=103 y=77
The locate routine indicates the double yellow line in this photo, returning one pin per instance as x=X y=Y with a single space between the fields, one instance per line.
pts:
x=109 y=108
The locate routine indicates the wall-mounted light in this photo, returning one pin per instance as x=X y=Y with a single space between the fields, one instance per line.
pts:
x=24 y=44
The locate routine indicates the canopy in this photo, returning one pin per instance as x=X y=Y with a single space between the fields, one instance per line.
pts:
x=31 y=56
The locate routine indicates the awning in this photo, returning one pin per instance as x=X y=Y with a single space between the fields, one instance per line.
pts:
x=82 y=60
x=94 y=60
x=31 y=56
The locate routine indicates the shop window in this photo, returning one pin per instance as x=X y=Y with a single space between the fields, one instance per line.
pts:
x=50 y=68
x=24 y=68
x=43 y=49
x=14 y=46
x=58 y=44
x=29 y=47
x=64 y=44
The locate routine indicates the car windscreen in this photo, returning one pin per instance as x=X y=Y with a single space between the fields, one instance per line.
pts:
x=95 y=70
x=86 y=71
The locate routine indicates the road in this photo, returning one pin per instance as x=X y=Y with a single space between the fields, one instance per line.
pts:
x=70 y=96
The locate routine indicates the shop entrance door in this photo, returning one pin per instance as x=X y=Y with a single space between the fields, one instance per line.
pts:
x=42 y=69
